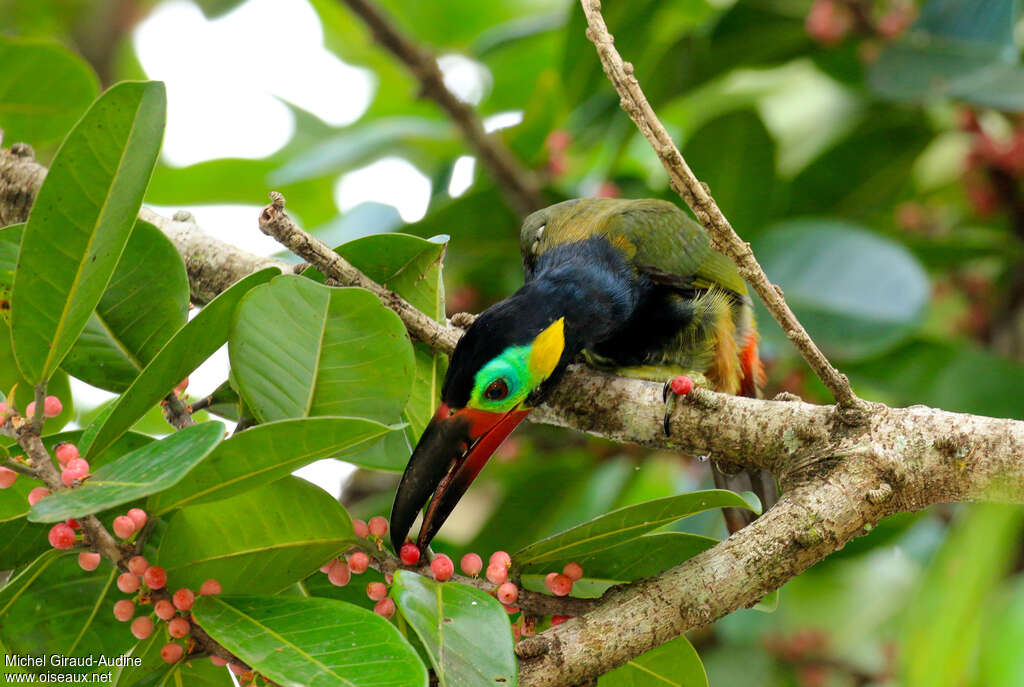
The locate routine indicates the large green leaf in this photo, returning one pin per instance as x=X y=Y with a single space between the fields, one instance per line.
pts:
x=81 y=221
x=465 y=631
x=145 y=303
x=44 y=89
x=857 y=293
x=261 y=541
x=623 y=525
x=142 y=472
x=21 y=541
x=193 y=344
x=266 y=453
x=673 y=664
x=153 y=672
x=312 y=642
x=1001 y=662
x=298 y=348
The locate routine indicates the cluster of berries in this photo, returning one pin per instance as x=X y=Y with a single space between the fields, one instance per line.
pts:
x=52 y=407
x=830 y=21
x=994 y=164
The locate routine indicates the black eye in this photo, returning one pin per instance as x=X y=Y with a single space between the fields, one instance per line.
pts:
x=496 y=390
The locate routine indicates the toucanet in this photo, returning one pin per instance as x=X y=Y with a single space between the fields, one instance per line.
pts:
x=633 y=286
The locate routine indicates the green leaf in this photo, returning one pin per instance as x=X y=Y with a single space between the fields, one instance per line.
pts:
x=144 y=471
x=145 y=303
x=81 y=221
x=266 y=453
x=312 y=641
x=1001 y=663
x=465 y=631
x=298 y=348
x=261 y=541
x=44 y=89
x=153 y=672
x=193 y=344
x=623 y=525
x=852 y=308
x=21 y=541
x=673 y=664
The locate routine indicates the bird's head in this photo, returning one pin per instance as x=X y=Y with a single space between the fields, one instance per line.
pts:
x=504 y=364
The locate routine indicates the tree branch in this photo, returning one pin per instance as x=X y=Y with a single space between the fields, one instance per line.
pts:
x=519 y=184
x=698 y=196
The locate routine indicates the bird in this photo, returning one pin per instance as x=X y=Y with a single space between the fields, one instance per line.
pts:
x=632 y=286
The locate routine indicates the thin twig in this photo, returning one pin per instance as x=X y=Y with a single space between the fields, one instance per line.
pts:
x=175 y=412
x=519 y=184
x=698 y=197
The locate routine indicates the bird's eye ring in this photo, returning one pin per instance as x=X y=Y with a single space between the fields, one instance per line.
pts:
x=496 y=390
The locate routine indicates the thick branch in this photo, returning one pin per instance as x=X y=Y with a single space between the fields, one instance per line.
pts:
x=519 y=184
x=698 y=197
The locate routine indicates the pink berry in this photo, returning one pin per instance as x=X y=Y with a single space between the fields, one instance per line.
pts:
x=138 y=565
x=124 y=526
x=682 y=385
x=7 y=477
x=573 y=571
x=73 y=524
x=52 y=406
x=128 y=583
x=139 y=517
x=183 y=599
x=385 y=608
x=508 y=593
x=358 y=562
x=88 y=561
x=237 y=669
x=501 y=558
x=442 y=568
x=511 y=610
x=182 y=385
x=172 y=653
x=37 y=495
x=61 y=536
x=326 y=567
x=558 y=619
x=361 y=528
x=339 y=574
x=164 y=609
x=79 y=464
x=209 y=588
x=471 y=564
x=178 y=627
x=378 y=526
x=30 y=410
x=376 y=591
x=68 y=477
x=409 y=553
x=142 y=627
x=66 y=453
x=558 y=584
x=124 y=610
x=497 y=573
x=155 y=577
x=218 y=661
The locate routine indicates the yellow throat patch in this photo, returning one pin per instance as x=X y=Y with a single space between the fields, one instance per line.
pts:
x=547 y=349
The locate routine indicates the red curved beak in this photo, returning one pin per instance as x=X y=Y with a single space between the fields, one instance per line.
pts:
x=454 y=447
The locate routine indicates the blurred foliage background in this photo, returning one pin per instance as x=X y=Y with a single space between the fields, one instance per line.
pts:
x=872 y=151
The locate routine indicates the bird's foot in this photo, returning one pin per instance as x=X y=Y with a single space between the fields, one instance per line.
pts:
x=673 y=389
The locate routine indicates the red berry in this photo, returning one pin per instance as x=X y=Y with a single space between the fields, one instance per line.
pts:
x=573 y=571
x=442 y=568
x=218 y=661
x=155 y=577
x=61 y=536
x=409 y=553
x=183 y=599
x=182 y=385
x=142 y=627
x=128 y=583
x=508 y=593
x=139 y=517
x=682 y=385
x=339 y=574
x=558 y=140
x=209 y=588
x=79 y=464
x=326 y=567
x=608 y=189
x=138 y=565
x=385 y=608
x=73 y=524
x=88 y=561
x=558 y=619
x=30 y=410
x=376 y=591
x=511 y=610
x=358 y=562
x=237 y=669
x=124 y=526
x=360 y=528
x=178 y=627
x=172 y=653
x=7 y=477
x=501 y=558
x=164 y=609
x=378 y=526
x=828 y=22
x=497 y=573
x=52 y=406
x=66 y=453
x=471 y=564
x=37 y=495
x=558 y=584
x=124 y=610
